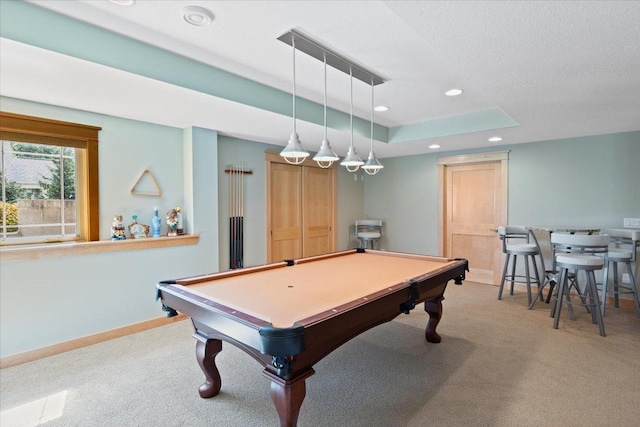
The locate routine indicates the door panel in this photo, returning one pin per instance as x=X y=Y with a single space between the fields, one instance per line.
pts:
x=286 y=212
x=473 y=210
x=318 y=211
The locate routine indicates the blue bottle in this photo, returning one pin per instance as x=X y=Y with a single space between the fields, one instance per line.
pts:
x=155 y=222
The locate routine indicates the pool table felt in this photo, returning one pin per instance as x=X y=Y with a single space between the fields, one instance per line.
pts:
x=285 y=295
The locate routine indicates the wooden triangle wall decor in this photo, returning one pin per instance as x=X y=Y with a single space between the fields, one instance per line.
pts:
x=133 y=190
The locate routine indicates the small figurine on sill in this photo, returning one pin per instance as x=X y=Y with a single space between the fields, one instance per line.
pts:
x=180 y=222
x=172 y=223
x=137 y=230
x=117 y=229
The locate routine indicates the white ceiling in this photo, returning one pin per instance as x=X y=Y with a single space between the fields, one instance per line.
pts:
x=559 y=68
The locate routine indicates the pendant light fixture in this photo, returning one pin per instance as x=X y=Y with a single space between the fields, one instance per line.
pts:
x=352 y=162
x=372 y=166
x=325 y=157
x=294 y=153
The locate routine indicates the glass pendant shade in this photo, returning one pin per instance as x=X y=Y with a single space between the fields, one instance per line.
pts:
x=294 y=153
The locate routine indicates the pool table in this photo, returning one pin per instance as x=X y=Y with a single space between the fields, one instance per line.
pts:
x=289 y=315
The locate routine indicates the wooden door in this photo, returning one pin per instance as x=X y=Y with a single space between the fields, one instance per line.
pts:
x=318 y=211
x=474 y=206
x=301 y=209
x=285 y=206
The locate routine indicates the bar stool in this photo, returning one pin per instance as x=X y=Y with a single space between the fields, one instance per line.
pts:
x=528 y=250
x=369 y=230
x=617 y=256
x=580 y=254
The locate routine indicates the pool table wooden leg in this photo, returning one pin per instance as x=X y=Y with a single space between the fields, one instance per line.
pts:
x=288 y=396
x=206 y=352
x=434 y=308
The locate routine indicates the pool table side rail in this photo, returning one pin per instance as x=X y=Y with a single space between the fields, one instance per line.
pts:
x=298 y=261
x=187 y=281
x=373 y=252
x=457 y=266
x=410 y=255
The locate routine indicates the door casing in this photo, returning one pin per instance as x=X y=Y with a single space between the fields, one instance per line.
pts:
x=483 y=243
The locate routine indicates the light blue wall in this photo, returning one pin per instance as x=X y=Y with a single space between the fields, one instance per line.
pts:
x=201 y=191
x=404 y=195
x=350 y=207
x=49 y=301
x=592 y=181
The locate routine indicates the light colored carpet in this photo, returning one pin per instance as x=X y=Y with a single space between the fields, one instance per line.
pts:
x=498 y=365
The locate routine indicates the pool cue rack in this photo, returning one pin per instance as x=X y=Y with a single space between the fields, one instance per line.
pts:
x=236 y=214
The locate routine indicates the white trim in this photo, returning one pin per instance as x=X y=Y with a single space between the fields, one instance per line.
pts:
x=493 y=156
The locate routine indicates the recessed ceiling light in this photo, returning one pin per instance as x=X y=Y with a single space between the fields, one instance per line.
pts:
x=196 y=15
x=434 y=146
x=453 y=92
x=123 y=2
x=381 y=108
x=495 y=139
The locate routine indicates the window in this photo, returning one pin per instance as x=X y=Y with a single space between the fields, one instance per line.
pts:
x=49 y=172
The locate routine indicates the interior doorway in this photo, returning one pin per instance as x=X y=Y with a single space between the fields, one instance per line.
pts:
x=473 y=203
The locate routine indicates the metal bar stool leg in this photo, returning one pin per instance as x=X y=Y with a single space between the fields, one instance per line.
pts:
x=513 y=273
x=616 y=301
x=591 y=278
x=538 y=282
x=605 y=283
x=555 y=311
x=504 y=275
x=526 y=270
x=552 y=284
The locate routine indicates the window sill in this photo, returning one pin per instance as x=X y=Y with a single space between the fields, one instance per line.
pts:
x=57 y=250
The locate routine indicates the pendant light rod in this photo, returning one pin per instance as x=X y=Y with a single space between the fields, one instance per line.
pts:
x=372 y=108
x=318 y=51
x=325 y=96
x=293 y=44
x=351 y=103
